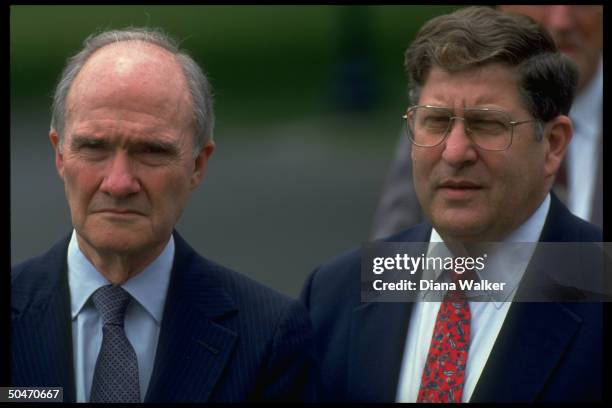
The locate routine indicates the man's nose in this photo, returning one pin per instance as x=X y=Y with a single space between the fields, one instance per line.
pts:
x=458 y=147
x=120 y=179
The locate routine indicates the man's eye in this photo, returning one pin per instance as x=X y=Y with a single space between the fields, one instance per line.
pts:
x=492 y=127
x=434 y=123
x=154 y=150
x=436 y=120
x=93 y=152
x=153 y=155
x=91 y=148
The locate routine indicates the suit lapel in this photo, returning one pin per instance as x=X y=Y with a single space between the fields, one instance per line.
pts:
x=534 y=336
x=194 y=346
x=377 y=339
x=528 y=347
x=42 y=333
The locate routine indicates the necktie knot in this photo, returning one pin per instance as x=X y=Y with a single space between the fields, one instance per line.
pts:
x=460 y=279
x=111 y=302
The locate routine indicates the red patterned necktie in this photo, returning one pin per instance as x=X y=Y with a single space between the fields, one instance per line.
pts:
x=444 y=373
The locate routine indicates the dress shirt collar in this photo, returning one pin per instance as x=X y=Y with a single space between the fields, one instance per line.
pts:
x=507 y=265
x=586 y=109
x=149 y=287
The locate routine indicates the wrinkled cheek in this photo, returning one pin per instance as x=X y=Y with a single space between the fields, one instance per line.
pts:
x=422 y=184
x=75 y=186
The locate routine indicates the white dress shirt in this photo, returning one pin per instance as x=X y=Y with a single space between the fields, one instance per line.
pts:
x=487 y=316
x=586 y=115
x=142 y=318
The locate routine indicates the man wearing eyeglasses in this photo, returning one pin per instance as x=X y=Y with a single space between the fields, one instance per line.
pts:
x=489 y=129
x=578 y=33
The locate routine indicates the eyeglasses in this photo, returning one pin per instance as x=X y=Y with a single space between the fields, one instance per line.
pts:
x=489 y=129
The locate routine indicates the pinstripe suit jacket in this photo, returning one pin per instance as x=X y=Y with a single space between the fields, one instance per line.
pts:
x=224 y=337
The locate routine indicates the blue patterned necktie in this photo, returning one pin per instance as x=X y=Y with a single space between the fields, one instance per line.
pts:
x=116 y=375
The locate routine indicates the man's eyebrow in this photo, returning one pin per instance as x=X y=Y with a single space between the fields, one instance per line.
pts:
x=159 y=145
x=77 y=141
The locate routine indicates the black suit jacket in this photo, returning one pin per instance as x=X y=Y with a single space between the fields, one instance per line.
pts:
x=223 y=336
x=544 y=352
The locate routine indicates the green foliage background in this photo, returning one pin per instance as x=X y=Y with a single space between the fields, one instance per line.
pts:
x=265 y=62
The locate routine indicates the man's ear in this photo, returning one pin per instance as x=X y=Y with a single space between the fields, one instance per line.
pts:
x=59 y=158
x=558 y=133
x=201 y=161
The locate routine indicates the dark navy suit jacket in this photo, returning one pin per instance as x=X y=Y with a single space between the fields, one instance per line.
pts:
x=223 y=336
x=544 y=352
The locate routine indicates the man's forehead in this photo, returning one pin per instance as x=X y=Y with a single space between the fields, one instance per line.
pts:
x=474 y=74
x=131 y=71
x=124 y=65
x=128 y=57
x=490 y=84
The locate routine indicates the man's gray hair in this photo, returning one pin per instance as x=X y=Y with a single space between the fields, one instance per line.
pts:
x=197 y=82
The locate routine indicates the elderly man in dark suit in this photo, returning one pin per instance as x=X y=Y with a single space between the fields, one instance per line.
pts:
x=123 y=309
x=489 y=129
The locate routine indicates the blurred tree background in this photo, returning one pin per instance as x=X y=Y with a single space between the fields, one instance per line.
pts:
x=308 y=102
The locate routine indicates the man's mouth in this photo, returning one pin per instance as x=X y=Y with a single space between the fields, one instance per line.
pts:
x=459 y=189
x=460 y=184
x=119 y=211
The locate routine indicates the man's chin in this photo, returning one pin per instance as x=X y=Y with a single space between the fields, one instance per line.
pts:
x=460 y=223
x=118 y=244
x=117 y=239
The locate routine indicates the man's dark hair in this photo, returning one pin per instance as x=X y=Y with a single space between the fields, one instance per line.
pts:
x=476 y=36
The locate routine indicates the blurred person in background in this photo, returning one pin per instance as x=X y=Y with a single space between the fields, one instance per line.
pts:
x=122 y=309
x=578 y=32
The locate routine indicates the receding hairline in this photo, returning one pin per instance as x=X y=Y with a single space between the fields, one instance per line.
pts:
x=150 y=52
x=121 y=47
